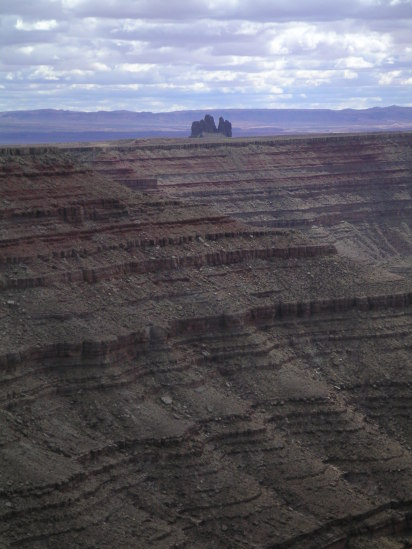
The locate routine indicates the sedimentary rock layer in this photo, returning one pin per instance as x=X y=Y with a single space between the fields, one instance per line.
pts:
x=218 y=358
x=352 y=190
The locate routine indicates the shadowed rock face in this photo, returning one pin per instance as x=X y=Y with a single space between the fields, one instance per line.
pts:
x=208 y=126
x=224 y=127
x=206 y=343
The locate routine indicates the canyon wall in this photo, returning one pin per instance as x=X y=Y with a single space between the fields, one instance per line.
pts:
x=206 y=344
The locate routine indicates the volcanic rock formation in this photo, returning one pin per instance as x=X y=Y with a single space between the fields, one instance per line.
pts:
x=224 y=127
x=208 y=126
x=206 y=343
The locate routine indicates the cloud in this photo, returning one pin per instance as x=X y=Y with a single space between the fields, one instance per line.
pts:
x=353 y=62
x=44 y=25
x=149 y=53
x=350 y=75
x=248 y=10
x=387 y=78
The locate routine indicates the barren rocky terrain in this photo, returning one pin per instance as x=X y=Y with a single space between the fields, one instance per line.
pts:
x=207 y=343
x=56 y=126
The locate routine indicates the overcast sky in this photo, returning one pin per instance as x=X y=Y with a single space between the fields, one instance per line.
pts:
x=163 y=55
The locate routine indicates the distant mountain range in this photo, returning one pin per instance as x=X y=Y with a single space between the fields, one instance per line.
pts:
x=52 y=126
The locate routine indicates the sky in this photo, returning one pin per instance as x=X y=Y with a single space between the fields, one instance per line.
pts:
x=166 y=55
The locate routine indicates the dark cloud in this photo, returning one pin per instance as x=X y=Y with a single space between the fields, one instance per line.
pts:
x=250 y=10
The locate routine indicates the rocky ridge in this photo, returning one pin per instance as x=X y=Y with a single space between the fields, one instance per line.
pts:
x=206 y=344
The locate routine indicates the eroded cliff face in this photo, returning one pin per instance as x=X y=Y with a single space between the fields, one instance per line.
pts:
x=206 y=344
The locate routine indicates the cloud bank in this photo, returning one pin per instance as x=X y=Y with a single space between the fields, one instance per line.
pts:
x=157 y=56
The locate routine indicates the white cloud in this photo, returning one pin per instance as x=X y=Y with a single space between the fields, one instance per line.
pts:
x=136 y=67
x=353 y=63
x=243 y=52
x=387 y=78
x=44 y=72
x=100 y=67
x=350 y=75
x=83 y=86
x=44 y=25
x=70 y=4
x=27 y=50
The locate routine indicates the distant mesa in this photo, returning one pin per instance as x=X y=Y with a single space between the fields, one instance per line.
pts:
x=207 y=125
